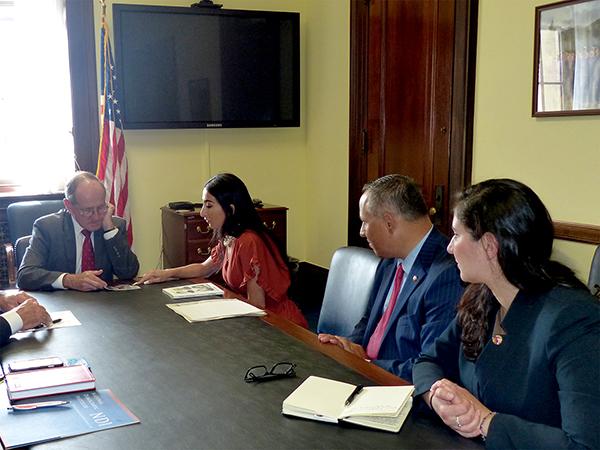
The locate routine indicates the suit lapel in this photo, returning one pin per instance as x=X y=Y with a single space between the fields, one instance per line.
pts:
x=377 y=310
x=69 y=240
x=100 y=250
x=522 y=317
x=416 y=276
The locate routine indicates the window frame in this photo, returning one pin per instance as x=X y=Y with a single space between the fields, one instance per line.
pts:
x=84 y=83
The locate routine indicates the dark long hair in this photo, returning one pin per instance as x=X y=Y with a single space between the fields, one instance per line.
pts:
x=521 y=224
x=230 y=190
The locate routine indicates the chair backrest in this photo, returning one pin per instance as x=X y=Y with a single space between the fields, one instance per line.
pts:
x=594 y=278
x=347 y=291
x=21 y=216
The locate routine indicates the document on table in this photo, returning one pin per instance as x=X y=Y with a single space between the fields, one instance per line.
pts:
x=83 y=412
x=67 y=319
x=205 y=310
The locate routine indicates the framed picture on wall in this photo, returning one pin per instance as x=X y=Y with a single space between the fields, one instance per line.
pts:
x=566 y=73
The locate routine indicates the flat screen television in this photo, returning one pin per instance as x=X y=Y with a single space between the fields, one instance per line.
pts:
x=206 y=67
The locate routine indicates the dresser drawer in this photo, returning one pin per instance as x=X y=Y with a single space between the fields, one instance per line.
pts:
x=187 y=238
x=198 y=229
x=198 y=251
x=275 y=221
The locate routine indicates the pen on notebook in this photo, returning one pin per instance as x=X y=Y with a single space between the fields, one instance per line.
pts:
x=30 y=406
x=357 y=390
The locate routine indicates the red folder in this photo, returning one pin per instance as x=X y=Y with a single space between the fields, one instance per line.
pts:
x=57 y=380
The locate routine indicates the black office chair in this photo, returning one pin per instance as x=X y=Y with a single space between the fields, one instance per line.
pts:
x=347 y=291
x=21 y=216
x=594 y=278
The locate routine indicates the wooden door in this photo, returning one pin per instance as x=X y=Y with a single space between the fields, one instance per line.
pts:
x=411 y=98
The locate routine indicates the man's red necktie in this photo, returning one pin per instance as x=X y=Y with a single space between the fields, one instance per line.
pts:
x=377 y=337
x=87 y=253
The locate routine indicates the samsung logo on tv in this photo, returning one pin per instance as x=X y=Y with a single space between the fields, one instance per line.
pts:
x=214 y=125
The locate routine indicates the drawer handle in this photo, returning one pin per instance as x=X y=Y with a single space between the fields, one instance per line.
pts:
x=200 y=252
x=272 y=227
x=199 y=230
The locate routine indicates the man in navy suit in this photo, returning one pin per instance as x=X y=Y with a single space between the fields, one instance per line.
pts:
x=20 y=311
x=54 y=258
x=396 y=224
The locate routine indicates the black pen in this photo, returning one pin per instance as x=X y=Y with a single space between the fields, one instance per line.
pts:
x=53 y=322
x=357 y=390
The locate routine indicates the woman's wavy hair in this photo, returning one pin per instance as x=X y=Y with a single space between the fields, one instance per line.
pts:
x=523 y=228
x=230 y=190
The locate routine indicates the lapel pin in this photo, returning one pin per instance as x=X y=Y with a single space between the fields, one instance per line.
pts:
x=415 y=278
x=497 y=339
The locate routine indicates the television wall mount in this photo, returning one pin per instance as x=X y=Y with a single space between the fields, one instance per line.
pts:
x=205 y=4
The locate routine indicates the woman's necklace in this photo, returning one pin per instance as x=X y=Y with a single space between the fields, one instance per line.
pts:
x=228 y=240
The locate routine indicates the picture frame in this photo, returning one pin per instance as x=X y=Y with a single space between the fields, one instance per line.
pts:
x=566 y=69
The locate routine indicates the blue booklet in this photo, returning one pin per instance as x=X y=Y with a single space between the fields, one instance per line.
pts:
x=86 y=412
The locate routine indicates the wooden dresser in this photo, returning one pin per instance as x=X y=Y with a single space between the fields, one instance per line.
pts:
x=187 y=237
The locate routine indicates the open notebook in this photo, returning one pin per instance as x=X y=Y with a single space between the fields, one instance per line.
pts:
x=381 y=407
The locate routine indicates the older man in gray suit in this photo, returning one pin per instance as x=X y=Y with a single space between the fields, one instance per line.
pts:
x=60 y=256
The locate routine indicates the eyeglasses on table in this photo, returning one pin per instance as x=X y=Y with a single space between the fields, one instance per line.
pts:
x=279 y=370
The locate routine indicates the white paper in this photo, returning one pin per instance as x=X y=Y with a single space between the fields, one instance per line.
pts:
x=214 y=309
x=68 y=319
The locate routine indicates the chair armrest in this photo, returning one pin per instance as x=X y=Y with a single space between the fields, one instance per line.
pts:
x=20 y=247
x=10 y=262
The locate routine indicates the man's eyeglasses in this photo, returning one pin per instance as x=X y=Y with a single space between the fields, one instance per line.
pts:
x=89 y=212
x=279 y=370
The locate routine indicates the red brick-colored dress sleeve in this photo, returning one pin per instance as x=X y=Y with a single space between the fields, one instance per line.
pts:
x=250 y=251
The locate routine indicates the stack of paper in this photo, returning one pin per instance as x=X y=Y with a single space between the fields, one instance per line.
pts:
x=215 y=309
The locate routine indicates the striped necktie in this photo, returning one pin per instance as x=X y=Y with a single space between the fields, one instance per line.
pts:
x=87 y=253
x=377 y=337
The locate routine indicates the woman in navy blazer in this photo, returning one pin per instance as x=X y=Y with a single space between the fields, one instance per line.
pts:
x=520 y=364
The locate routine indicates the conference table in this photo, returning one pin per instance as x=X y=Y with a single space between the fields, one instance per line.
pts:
x=185 y=381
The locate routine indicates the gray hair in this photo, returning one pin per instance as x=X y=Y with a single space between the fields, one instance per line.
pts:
x=398 y=194
x=79 y=178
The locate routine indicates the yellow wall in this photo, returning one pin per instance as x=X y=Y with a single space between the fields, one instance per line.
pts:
x=557 y=157
x=306 y=168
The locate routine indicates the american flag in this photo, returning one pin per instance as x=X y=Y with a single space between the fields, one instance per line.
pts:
x=112 y=162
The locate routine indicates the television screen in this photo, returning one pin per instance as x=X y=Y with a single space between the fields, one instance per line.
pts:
x=206 y=68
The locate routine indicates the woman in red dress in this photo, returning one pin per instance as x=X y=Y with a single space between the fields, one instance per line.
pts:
x=252 y=260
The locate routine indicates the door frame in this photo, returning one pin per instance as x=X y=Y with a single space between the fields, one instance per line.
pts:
x=463 y=96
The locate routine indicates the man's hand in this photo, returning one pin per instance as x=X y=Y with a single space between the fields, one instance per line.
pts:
x=85 y=281
x=344 y=343
x=12 y=300
x=107 y=223
x=33 y=314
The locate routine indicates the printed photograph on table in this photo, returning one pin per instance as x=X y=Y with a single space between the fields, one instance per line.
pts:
x=193 y=290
